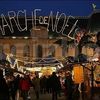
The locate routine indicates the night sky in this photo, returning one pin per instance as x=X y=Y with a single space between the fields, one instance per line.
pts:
x=68 y=7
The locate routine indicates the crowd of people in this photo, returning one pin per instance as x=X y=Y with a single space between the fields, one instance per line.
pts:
x=11 y=86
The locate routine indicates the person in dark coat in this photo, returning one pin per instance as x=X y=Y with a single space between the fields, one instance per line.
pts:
x=13 y=86
x=4 y=90
x=36 y=83
x=48 y=84
x=43 y=81
x=68 y=86
x=55 y=85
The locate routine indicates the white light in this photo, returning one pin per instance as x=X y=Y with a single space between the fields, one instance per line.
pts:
x=37 y=29
x=50 y=37
x=25 y=37
x=95 y=59
x=14 y=37
x=61 y=65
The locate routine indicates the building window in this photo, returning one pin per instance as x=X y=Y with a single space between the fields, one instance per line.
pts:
x=39 y=51
x=1 y=48
x=13 y=50
x=26 y=51
x=52 y=50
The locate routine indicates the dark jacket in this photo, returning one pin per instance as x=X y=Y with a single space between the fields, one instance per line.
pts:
x=4 y=90
x=55 y=83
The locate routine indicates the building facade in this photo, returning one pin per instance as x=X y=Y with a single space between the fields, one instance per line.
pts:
x=38 y=45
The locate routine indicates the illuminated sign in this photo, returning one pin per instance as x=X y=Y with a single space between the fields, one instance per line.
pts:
x=13 y=20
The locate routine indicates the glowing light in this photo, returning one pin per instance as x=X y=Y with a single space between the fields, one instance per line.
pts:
x=25 y=37
x=95 y=59
x=14 y=37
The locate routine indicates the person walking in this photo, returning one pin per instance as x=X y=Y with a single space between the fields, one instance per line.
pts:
x=55 y=85
x=68 y=86
x=4 y=90
x=12 y=88
x=43 y=83
x=36 y=86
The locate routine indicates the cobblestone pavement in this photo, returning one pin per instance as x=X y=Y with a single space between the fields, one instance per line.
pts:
x=43 y=96
x=49 y=96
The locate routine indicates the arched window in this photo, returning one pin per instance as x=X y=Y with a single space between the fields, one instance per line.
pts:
x=1 y=48
x=52 y=50
x=39 y=51
x=13 y=49
x=26 y=52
